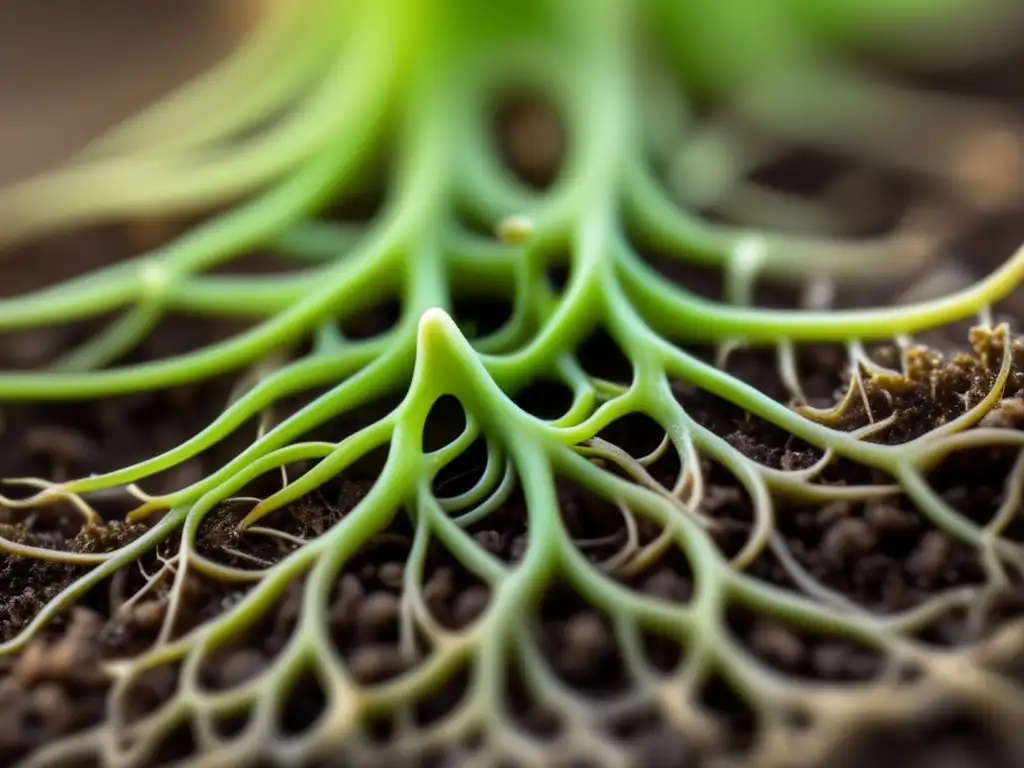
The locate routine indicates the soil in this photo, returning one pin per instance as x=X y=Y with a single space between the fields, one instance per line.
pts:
x=880 y=554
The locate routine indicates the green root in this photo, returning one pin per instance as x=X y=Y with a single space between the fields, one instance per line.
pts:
x=416 y=80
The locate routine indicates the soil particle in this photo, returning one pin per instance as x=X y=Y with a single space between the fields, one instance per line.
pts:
x=518 y=548
x=664 y=748
x=376 y=663
x=889 y=520
x=350 y=594
x=438 y=589
x=776 y=644
x=376 y=615
x=929 y=561
x=848 y=539
x=470 y=605
x=241 y=666
x=833 y=661
x=391 y=575
x=666 y=584
x=492 y=541
x=586 y=644
x=53 y=688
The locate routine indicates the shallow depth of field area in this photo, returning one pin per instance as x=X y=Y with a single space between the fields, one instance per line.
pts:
x=605 y=383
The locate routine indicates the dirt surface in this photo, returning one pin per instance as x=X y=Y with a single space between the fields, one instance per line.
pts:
x=880 y=554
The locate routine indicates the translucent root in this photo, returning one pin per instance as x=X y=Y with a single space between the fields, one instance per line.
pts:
x=620 y=405
x=798 y=483
x=689 y=487
x=978 y=141
x=326 y=561
x=642 y=559
x=494 y=469
x=459 y=543
x=761 y=500
x=754 y=682
x=440 y=458
x=992 y=560
x=971 y=416
x=807 y=583
x=258 y=530
x=949 y=520
x=414 y=612
x=631 y=544
x=295 y=378
x=491 y=503
x=789 y=374
x=583 y=392
x=656 y=454
x=1002 y=647
x=835 y=415
x=113 y=342
x=835 y=709
x=78 y=747
x=713 y=158
x=682 y=314
x=152 y=581
x=197 y=512
x=545 y=689
x=51 y=493
x=801 y=490
x=710 y=173
x=341 y=457
x=658 y=223
x=740 y=274
x=256 y=374
x=818 y=294
x=605 y=451
x=15 y=549
x=580 y=720
x=745 y=471
x=755 y=205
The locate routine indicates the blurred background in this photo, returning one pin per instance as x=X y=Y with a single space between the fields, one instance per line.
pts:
x=70 y=69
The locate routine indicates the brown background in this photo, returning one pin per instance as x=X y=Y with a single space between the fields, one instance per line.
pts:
x=70 y=68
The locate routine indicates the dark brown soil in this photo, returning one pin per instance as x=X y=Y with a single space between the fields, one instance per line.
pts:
x=882 y=555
